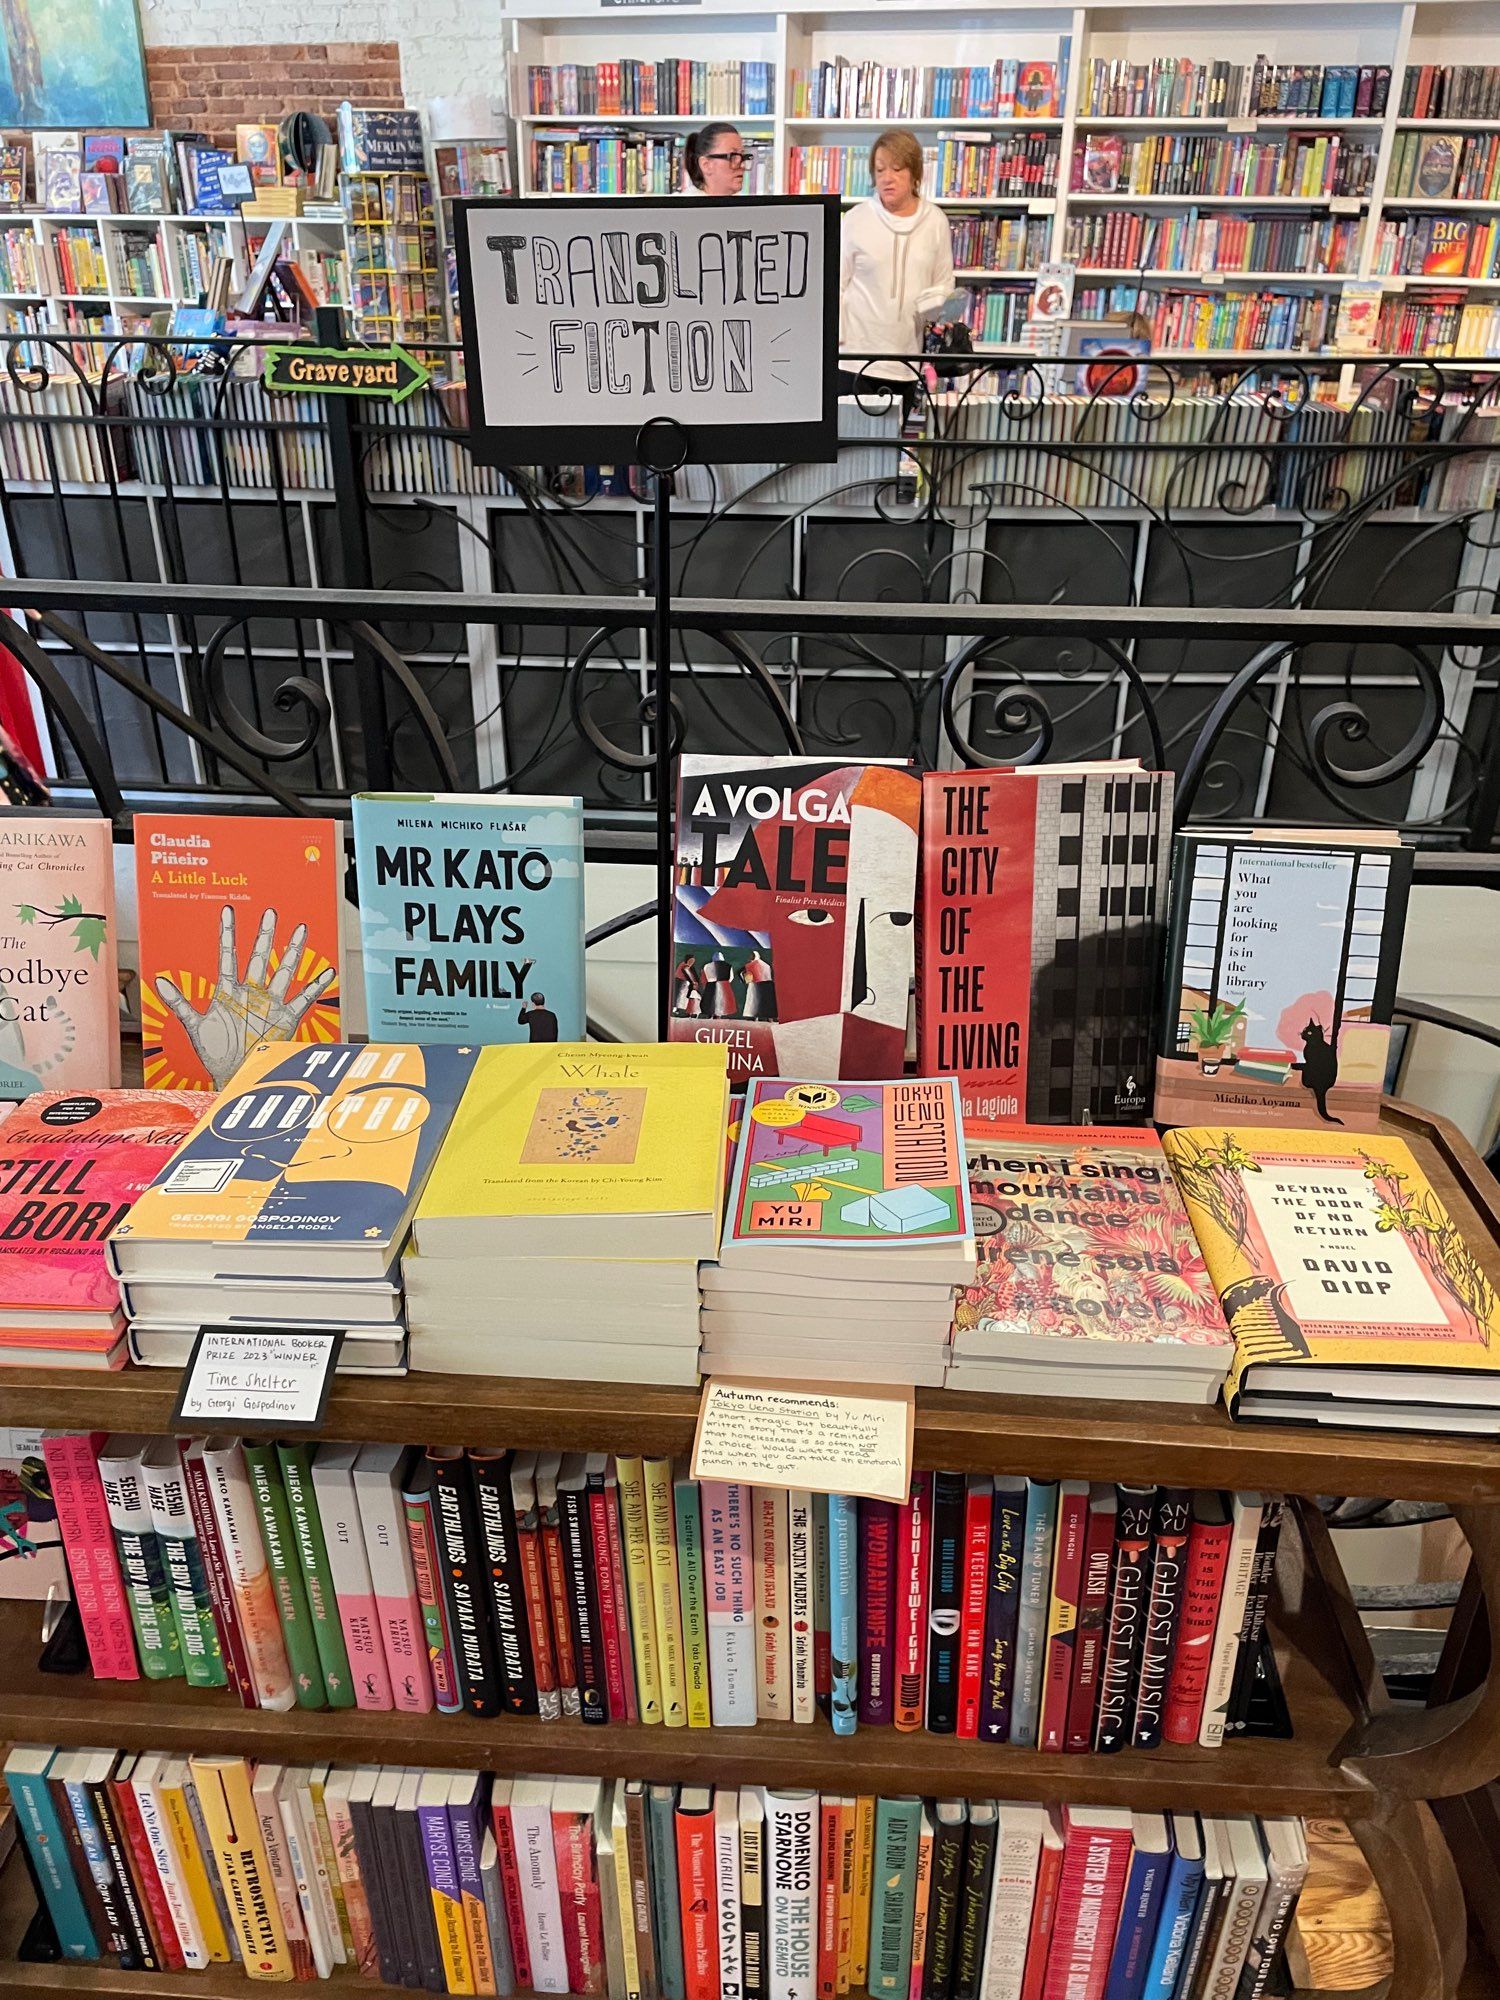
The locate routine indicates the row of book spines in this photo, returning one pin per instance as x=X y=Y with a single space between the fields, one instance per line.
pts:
x=1209 y=320
x=1194 y=243
x=1217 y=163
x=1023 y=167
x=613 y=1591
x=422 y=1880
x=1472 y=169
x=1451 y=90
x=1175 y=87
x=682 y=88
x=1437 y=247
x=992 y=90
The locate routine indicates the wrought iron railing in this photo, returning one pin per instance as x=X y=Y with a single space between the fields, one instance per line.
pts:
x=1287 y=600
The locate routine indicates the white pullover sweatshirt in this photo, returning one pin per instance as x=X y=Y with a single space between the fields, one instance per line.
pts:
x=895 y=272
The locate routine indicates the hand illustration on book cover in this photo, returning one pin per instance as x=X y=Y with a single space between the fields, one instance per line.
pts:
x=241 y=1012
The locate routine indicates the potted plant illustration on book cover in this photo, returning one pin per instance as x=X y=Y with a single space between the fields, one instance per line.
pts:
x=793 y=929
x=239 y=924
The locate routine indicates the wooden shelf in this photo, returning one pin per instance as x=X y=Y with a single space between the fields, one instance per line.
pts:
x=1261 y=1774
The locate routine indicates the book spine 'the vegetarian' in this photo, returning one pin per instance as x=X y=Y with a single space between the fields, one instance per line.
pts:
x=978 y=1507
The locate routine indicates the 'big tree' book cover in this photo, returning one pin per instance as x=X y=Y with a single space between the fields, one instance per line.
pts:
x=471 y=916
x=1043 y=901
x=239 y=928
x=59 y=987
x=793 y=913
x=1353 y=1294
x=1281 y=976
x=1088 y=1269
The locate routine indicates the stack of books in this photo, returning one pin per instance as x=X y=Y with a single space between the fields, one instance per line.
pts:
x=848 y=1227
x=71 y=1165
x=451 y=1882
x=561 y=1230
x=289 y=1202
x=1090 y=1279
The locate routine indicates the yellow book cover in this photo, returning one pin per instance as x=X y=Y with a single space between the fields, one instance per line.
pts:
x=632 y=1483
x=624 y=1887
x=666 y=1601
x=848 y=1828
x=328 y=1854
x=229 y=1813
x=922 y=1895
x=190 y=1866
x=443 y=1885
x=1333 y=1256
x=563 y=1130
x=864 y=1875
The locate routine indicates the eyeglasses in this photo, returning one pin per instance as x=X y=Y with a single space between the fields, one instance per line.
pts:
x=731 y=159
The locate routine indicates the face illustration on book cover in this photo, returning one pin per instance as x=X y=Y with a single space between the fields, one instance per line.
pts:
x=793 y=925
x=1081 y=1233
x=321 y=1142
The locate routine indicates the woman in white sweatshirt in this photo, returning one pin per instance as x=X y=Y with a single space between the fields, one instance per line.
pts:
x=896 y=270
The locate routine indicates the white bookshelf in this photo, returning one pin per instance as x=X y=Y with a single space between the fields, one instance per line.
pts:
x=1382 y=33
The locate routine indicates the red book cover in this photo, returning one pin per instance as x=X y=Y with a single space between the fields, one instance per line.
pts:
x=1095 y=1861
x=1004 y=881
x=216 y=1569
x=534 y=1584
x=1170 y=1533
x=1043 y=1906
x=830 y=1828
x=609 y=1609
x=72 y=1460
x=877 y=1609
x=578 y=1882
x=510 y=1884
x=1093 y=1610
x=913 y=1537
x=979 y=1497
x=71 y=1167
x=698 y=1892
x=1207 y=1560
x=148 y=1883
x=239 y=939
x=622 y=1599
x=1062 y=1617
x=557 y=1600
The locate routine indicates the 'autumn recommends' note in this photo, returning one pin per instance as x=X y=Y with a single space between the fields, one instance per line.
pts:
x=824 y=1441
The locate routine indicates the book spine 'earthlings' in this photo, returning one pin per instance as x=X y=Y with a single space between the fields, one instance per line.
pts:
x=495 y=1502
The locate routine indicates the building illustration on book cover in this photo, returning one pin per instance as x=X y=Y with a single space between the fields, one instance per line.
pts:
x=1284 y=957
x=1081 y=1234
x=793 y=922
x=859 y=1162
x=322 y=1145
x=215 y=895
x=1333 y=1250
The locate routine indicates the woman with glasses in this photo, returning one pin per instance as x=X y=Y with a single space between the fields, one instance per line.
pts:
x=715 y=160
x=896 y=270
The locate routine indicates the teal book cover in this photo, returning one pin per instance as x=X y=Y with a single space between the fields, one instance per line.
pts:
x=898 y=1834
x=36 y=1815
x=1036 y=1595
x=471 y=916
x=661 y=1831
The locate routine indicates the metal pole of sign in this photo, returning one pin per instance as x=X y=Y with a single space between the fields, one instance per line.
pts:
x=662 y=449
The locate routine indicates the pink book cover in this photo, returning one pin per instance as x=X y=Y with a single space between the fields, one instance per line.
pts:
x=1096 y=1857
x=617 y=1570
x=609 y=1606
x=578 y=1894
x=398 y=1613
x=71 y=1166
x=59 y=981
x=72 y=1460
x=349 y=1567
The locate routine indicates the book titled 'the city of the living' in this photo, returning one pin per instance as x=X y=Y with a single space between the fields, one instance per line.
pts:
x=471 y=916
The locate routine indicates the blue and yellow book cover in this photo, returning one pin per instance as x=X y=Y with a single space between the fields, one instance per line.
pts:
x=308 y=1145
x=471 y=916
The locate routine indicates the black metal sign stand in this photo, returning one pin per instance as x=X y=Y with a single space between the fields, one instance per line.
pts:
x=661 y=447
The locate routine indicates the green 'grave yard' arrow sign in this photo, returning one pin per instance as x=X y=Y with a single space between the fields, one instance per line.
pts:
x=345 y=371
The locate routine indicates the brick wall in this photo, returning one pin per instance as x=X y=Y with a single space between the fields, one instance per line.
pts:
x=212 y=87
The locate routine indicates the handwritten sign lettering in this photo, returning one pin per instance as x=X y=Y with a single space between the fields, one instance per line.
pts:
x=245 y=1378
x=826 y=1440
x=582 y=321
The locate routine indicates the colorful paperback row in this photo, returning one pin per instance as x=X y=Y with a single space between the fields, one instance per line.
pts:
x=1195 y=241
x=671 y=87
x=1061 y=1617
x=955 y=168
x=458 y=1883
x=1297 y=163
x=1008 y=88
x=1178 y=87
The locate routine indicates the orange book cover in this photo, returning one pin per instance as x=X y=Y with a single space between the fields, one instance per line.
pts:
x=239 y=931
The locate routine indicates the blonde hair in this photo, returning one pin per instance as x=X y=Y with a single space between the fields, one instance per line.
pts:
x=904 y=149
